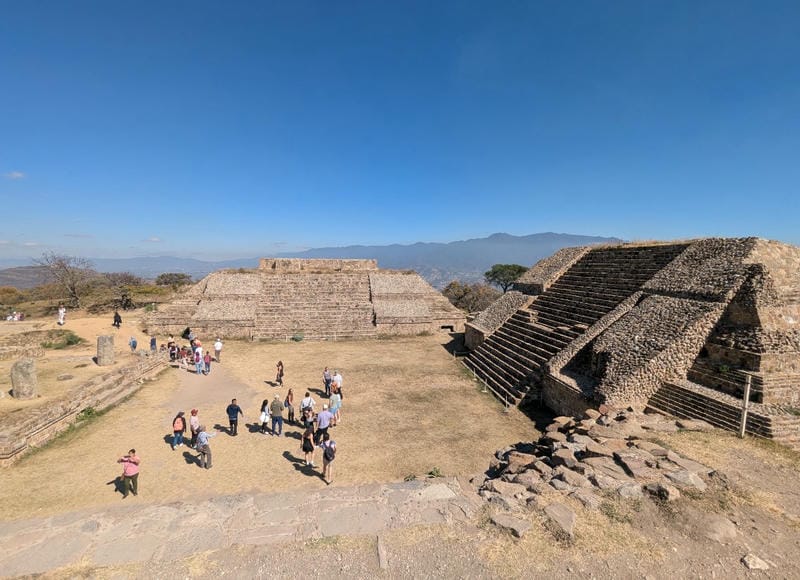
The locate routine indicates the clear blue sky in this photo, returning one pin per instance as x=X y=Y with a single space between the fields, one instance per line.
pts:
x=222 y=129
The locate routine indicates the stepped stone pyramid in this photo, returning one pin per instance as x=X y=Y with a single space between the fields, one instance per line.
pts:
x=679 y=327
x=312 y=299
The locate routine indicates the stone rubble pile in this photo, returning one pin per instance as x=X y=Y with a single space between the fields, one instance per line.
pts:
x=589 y=459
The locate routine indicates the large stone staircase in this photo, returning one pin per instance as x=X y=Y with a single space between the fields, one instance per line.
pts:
x=291 y=305
x=511 y=359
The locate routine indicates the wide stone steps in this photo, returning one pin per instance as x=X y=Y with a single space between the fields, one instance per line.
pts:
x=499 y=386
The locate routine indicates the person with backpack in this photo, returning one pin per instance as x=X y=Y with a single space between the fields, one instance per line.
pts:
x=133 y=343
x=178 y=429
x=328 y=455
x=198 y=360
x=117 y=319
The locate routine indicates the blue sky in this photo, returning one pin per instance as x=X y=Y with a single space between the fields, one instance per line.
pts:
x=225 y=129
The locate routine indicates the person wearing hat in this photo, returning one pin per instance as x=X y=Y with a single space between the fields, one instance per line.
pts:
x=276 y=411
x=194 y=427
x=217 y=349
x=324 y=419
x=203 y=447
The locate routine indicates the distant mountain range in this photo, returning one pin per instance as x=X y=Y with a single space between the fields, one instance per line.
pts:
x=438 y=263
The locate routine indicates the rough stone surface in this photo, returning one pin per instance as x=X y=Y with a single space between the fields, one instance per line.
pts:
x=753 y=562
x=105 y=350
x=562 y=518
x=719 y=528
x=24 y=381
x=516 y=526
x=687 y=479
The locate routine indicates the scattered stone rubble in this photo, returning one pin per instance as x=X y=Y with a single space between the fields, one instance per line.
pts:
x=590 y=458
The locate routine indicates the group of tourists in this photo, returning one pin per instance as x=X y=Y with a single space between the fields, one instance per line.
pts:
x=199 y=436
x=15 y=316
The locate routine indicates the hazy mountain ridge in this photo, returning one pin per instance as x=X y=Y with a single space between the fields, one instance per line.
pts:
x=438 y=262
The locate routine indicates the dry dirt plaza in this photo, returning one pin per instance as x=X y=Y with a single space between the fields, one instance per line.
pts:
x=409 y=408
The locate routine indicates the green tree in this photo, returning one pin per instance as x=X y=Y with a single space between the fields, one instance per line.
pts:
x=173 y=279
x=504 y=275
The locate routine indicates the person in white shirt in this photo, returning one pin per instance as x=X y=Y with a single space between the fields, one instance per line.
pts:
x=307 y=402
x=217 y=349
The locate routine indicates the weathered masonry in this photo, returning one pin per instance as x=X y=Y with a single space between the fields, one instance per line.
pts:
x=312 y=299
x=680 y=327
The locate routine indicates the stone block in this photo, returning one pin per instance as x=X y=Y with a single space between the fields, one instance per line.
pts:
x=687 y=480
x=105 y=350
x=562 y=519
x=564 y=457
x=516 y=526
x=24 y=381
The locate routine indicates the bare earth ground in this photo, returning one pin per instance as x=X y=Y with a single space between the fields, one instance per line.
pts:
x=408 y=408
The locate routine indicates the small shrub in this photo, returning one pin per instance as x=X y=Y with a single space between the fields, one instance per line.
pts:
x=152 y=307
x=298 y=336
x=86 y=414
x=410 y=477
x=62 y=340
x=435 y=472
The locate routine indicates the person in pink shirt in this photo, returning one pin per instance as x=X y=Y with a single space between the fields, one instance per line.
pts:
x=130 y=473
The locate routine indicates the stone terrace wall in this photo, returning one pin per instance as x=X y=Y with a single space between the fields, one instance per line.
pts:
x=404 y=303
x=656 y=342
x=709 y=269
x=316 y=265
x=33 y=427
x=546 y=271
x=493 y=317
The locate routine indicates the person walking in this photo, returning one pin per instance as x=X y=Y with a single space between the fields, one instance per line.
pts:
x=203 y=446
x=62 y=314
x=324 y=419
x=307 y=402
x=132 y=343
x=337 y=380
x=276 y=410
x=327 y=379
x=233 y=410
x=207 y=362
x=279 y=377
x=264 y=417
x=328 y=455
x=117 y=319
x=153 y=344
x=217 y=350
x=194 y=427
x=289 y=404
x=198 y=360
x=336 y=406
x=307 y=445
x=130 y=473
x=178 y=429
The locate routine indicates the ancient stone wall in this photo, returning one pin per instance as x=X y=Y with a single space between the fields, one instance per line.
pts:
x=493 y=317
x=316 y=265
x=32 y=427
x=537 y=279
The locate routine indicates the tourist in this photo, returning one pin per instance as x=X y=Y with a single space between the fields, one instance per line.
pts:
x=307 y=402
x=153 y=344
x=62 y=314
x=194 y=427
x=198 y=360
x=233 y=410
x=337 y=380
x=307 y=445
x=279 y=377
x=217 y=350
x=117 y=319
x=324 y=419
x=326 y=379
x=289 y=404
x=191 y=336
x=130 y=473
x=307 y=416
x=328 y=455
x=336 y=406
x=132 y=343
x=276 y=410
x=173 y=353
x=203 y=447
x=178 y=429
x=264 y=417
x=207 y=362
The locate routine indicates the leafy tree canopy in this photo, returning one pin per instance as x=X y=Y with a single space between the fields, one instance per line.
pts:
x=503 y=275
x=470 y=297
x=173 y=279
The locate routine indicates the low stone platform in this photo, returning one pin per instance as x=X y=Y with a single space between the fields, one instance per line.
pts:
x=137 y=532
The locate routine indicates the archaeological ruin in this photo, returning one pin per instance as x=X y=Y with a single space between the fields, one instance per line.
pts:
x=308 y=299
x=686 y=328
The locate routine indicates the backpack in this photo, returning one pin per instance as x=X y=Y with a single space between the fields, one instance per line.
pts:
x=329 y=452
